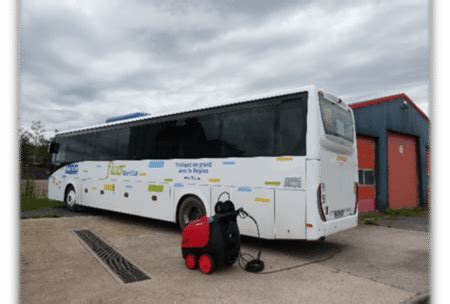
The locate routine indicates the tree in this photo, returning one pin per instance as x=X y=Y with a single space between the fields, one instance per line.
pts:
x=34 y=156
x=37 y=137
x=25 y=146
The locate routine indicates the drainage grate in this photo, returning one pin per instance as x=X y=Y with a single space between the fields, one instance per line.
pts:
x=123 y=268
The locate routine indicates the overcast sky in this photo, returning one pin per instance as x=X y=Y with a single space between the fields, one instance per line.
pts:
x=84 y=61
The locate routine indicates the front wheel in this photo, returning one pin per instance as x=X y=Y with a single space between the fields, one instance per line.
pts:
x=191 y=208
x=206 y=264
x=70 y=199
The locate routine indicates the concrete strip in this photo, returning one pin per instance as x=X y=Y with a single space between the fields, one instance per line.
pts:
x=395 y=257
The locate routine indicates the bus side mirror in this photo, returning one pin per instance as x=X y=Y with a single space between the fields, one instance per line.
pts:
x=53 y=148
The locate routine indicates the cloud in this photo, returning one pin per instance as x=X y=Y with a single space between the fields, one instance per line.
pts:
x=83 y=61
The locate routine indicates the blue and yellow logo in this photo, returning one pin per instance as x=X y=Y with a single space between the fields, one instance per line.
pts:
x=72 y=169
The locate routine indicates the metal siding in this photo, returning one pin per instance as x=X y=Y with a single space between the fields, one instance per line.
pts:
x=376 y=120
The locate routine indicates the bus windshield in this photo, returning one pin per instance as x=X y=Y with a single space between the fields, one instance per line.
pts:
x=336 y=120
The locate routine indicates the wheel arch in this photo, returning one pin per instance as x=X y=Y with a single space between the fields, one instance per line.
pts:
x=76 y=187
x=197 y=194
x=68 y=185
x=66 y=188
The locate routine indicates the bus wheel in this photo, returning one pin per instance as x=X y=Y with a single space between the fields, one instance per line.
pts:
x=191 y=208
x=70 y=199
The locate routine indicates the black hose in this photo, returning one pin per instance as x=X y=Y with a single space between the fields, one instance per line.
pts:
x=224 y=192
x=337 y=250
x=256 y=265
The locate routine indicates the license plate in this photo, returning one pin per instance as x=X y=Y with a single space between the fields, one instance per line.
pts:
x=338 y=214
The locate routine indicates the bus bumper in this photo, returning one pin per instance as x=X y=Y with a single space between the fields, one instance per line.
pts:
x=328 y=228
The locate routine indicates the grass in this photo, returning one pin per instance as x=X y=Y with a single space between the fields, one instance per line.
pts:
x=370 y=218
x=30 y=200
x=405 y=212
x=31 y=203
x=373 y=218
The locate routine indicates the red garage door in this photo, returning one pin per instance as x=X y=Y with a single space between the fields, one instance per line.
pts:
x=366 y=166
x=402 y=171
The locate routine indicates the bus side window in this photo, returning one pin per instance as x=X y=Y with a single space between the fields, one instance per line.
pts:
x=167 y=140
x=123 y=140
x=89 y=146
x=142 y=141
x=200 y=137
x=106 y=146
x=60 y=157
x=249 y=132
x=74 y=149
x=192 y=138
x=292 y=127
x=136 y=149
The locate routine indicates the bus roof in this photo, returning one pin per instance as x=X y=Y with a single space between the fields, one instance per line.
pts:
x=242 y=99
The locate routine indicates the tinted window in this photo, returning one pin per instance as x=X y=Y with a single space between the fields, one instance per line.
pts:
x=74 y=149
x=106 y=146
x=71 y=149
x=123 y=142
x=167 y=140
x=249 y=132
x=62 y=151
x=137 y=142
x=200 y=137
x=292 y=127
x=143 y=141
x=245 y=131
x=89 y=141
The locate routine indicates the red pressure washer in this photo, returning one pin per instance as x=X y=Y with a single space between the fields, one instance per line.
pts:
x=214 y=241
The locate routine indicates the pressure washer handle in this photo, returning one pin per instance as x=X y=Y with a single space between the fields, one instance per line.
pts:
x=222 y=215
x=241 y=212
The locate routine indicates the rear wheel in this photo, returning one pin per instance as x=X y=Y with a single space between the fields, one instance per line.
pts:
x=191 y=208
x=206 y=264
x=70 y=199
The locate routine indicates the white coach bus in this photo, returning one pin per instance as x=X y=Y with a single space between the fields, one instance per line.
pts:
x=289 y=160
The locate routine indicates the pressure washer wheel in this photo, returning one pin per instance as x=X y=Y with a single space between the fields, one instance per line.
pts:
x=190 y=261
x=206 y=263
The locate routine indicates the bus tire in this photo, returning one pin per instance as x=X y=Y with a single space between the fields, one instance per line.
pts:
x=191 y=208
x=70 y=199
